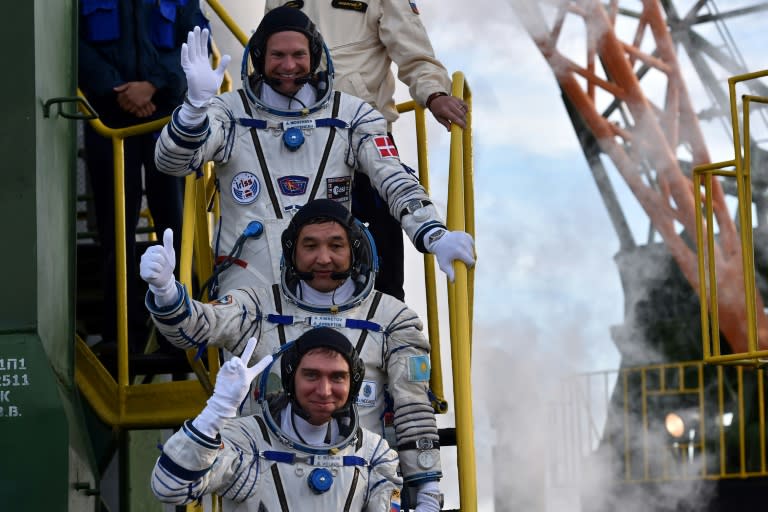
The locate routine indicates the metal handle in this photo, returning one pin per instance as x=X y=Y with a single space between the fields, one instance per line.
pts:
x=86 y=488
x=89 y=114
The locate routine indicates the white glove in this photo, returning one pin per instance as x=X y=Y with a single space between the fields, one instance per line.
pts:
x=232 y=385
x=156 y=268
x=426 y=500
x=202 y=81
x=448 y=246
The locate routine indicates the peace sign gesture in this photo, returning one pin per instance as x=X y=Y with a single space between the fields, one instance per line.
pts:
x=234 y=381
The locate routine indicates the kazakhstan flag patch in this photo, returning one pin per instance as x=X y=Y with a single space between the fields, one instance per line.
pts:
x=418 y=368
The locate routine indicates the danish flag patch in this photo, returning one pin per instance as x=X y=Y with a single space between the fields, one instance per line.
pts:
x=386 y=147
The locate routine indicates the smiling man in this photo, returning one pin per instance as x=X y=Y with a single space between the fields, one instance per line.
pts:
x=287 y=62
x=303 y=450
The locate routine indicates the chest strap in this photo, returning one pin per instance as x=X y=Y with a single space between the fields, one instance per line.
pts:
x=328 y=146
x=325 y=321
x=261 y=124
x=262 y=161
x=279 y=488
x=371 y=312
x=274 y=469
x=279 y=308
x=351 y=494
x=263 y=428
x=323 y=461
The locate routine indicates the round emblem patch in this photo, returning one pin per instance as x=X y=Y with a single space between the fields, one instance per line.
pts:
x=245 y=187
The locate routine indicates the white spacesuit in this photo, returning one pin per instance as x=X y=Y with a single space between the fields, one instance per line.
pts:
x=273 y=154
x=387 y=335
x=273 y=460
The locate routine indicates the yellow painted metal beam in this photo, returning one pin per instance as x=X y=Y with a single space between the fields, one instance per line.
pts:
x=156 y=405
x=755 y=354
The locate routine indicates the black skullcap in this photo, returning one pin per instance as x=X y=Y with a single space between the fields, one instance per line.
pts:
x=282 y=19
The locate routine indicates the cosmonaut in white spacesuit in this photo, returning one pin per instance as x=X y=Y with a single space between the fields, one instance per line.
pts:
x=303 y=449
x=284 y=139
x=365 y=39
x=329 y=265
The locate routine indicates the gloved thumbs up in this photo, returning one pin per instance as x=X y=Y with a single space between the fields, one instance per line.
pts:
x=168 y=245
x=156 y=268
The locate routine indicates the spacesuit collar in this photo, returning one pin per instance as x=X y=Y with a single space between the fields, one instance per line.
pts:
x=305 y=97
x=296 y=292
x=300 y=429
x=340 y=295
x=277 y=410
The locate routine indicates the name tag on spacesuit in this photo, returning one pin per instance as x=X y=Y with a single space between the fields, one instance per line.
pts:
x=328 y=461
x=302 y=124
x=326 y=321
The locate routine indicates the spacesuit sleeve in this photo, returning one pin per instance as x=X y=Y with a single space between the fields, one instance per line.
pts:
x=374 y=154
x=227 y=322
x=408 y=45
x=408 y=370
x=193 y=465
x=384 y=484
x=183 y=149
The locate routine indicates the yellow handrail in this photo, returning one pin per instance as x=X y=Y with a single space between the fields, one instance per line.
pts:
x=705 y=237
x=228 y=21
x=460 y=298
x=460 y=216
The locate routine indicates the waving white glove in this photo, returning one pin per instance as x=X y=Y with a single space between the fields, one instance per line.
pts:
x=202 y=81
x=232 y=385
x=156 y=268
x=428 y=497
x=448 y=246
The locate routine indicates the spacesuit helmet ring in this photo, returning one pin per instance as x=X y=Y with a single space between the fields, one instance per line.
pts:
x=276 y=388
